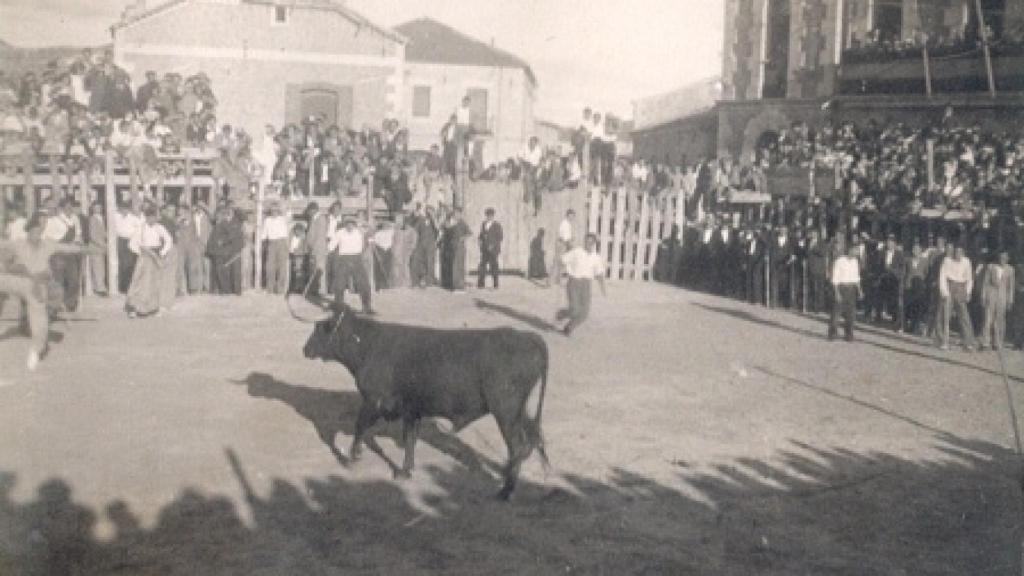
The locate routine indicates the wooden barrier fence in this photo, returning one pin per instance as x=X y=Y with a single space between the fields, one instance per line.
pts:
x=630 y=224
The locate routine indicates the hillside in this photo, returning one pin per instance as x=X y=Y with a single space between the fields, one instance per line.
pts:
x=15 y=60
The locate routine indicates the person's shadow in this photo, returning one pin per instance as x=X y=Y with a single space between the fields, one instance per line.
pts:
x=534 y=322
x=335 y=411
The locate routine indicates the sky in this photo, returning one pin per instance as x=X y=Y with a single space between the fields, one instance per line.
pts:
x=598 y=53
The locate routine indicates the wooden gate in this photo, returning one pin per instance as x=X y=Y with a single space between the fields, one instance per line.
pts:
x=630 y=224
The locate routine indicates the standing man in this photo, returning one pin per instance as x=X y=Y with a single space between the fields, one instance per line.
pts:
x=583 y=266
x=563 y=243
x=27 y=278
x=194 y=234
x=892 y=268
x=817 y=272
x=490 y=247
x=275 y=233
x=98 y=250
x=348 y=243
x=424 y=258
x=915 y=291
x=846 y=291
x=781 y=256
x=530 y=159
x=936 y=305
x=127 y=225
x=998 y=286
x=956 y=281
x=403 y=244
x=225 y=248
x=64 y=227
x=316 y=241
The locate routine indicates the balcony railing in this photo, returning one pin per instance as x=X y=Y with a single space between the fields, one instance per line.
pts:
x=952 y=71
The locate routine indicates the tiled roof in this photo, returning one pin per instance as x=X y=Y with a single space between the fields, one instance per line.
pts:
x=431 y=41
x=132 y=16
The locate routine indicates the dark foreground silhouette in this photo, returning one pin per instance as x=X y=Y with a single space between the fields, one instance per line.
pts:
x=811 y=511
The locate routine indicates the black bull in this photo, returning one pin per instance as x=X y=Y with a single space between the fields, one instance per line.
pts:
x=409 y=373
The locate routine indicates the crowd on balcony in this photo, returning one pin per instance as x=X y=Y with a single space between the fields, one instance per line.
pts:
x=89 y=102
x=962 y=41
x=884 y=167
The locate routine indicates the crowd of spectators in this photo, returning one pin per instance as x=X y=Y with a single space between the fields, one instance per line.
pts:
x=962 y=41
x=88 y=101
x=884 y=168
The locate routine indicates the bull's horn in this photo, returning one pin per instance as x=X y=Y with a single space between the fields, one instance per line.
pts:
x=320 y=313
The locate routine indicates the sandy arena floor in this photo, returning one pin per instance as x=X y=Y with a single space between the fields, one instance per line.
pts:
x=688 y=435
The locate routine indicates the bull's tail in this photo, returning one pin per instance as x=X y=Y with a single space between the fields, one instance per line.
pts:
x=534 y=429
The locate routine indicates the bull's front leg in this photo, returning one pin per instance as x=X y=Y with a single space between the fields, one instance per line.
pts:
x=410 y=429
x=368 y=416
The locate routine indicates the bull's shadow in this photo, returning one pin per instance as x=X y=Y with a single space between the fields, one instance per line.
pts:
x=335 y=411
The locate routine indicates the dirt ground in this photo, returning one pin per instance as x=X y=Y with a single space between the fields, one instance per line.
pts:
x=688 y=435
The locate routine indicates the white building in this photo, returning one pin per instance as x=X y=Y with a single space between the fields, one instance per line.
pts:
x=270 y=61
x=442 y=66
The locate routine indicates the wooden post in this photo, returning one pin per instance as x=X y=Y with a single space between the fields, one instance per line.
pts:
x=585 y=167
x=458 y=180
x=593 y=211
x=86 y=203
x=642 y=238
x=188 y=180
x=29 y=167
x=110 y=199
x=658 y=222
x=985 y=49
x=930 y=147
x=3 y=209
x=927 y=71
x=133 y=170
x=55 y=179
x=617 y=238
x=258 y=241
x=607 y=206
x=369 y=227
x=629 y=233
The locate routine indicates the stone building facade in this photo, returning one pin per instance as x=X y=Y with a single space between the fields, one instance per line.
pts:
x=270 y=62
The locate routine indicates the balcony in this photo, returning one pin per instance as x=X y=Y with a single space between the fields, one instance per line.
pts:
x=958 y=71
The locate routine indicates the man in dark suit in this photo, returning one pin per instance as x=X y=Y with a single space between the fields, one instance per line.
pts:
x=892 y=269
x=781 y=257
x=490 y=248
x=817 y=275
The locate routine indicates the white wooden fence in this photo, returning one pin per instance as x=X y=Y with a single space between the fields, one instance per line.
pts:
x=630 y=224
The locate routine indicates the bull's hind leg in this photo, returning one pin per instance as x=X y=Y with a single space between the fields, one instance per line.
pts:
x=368 y=416
x=409 y=434
x=519 y=448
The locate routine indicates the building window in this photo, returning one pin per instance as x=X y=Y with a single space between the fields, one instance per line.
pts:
x=280 y=15
x=478 y=108
x=421 y=101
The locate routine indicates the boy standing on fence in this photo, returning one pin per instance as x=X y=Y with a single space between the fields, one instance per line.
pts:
x=583 y=266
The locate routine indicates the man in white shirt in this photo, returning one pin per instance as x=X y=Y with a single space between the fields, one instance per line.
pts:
x=956 y=282
x=583 y=266
x=846 y=291
x=16 y=227
x=463 y=124
x=27 y=277
x=126 y=224
x=563 y=243
x=348 y=244
x=63 y=226
x=275 y=233
x=530 y=159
